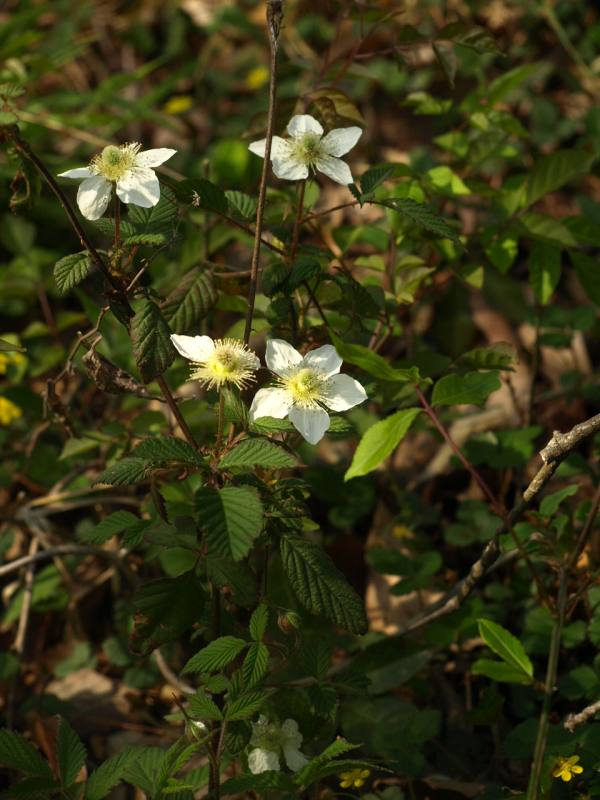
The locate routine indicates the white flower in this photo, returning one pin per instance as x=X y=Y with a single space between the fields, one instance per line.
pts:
x=129 y=168
x=308 y=148
x=270 y=740
x=305 y=385
x=219 y=361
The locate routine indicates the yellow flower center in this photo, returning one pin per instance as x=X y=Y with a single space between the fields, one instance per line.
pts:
x=306 y=148
x=114 y=161
x=305 y=386
x=230 y=362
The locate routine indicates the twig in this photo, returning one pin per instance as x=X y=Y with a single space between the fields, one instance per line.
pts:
x=175 y=411
x=21 y=636
x=495 y=504
x=585 y=531
x=551 y=669
x=274 y=19
x=61 y=550
x=11 y=132
x=559 y=446
x=574 y=720
x=168 y=674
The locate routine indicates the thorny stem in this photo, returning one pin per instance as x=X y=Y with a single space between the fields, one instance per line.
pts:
x=542 y=735
x=175 y=411
x=12 y=132
x=117 y=227
x=214 y=790
x=274 y=19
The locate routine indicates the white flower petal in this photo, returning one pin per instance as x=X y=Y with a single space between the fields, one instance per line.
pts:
x=340 y=140
x=294 y=758
x=80 y=172
x=335 y=168
x=139 y=186
x=260 y=760
x=343 y=392
x=93 y=196
x=304 y=123
x=270 y=403
x=291 y=732
x=289 y=169
x=311 y=423
x=280 y=356
x=195 y=348
x=155 y=157
x=279 y=148
x=324 y=358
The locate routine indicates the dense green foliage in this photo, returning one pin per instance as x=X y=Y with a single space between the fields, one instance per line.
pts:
x=200 y=602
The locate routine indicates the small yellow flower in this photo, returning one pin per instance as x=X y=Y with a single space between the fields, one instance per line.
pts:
x=8 y=411
x=567 y=767
x=257 y=77
x=178 y=104
x=4 y=361
x=7 y=358
x=355 y=778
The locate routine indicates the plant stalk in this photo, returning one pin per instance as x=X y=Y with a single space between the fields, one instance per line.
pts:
x=274 y=19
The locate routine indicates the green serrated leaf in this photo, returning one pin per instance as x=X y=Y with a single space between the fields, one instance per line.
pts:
x=255 y=664
x=251 y=453
x=234 y=575
x=18 y=754
x=232 y=518
x=150 y=339
x=500 y=355
x=157 y=219
x=166 y=608
x=319 y=586
x=125 y=472
x=203 y=708
x=544 y=270
x=216 y=655
x=545 y=228
x=167 y=449
x=379 y=441
x=149 y=239
x=109 y=774
x=71 y=270
x=244 y=706
x=505 y=645
x=241 y=205
x=267 y=425
x=70 y=753
x=422 y=216
x=555 y=170
x=110 y=526
x=258 y=622
x=375 y=176
x=470 y=388
x=337 y=748
x=191 y=300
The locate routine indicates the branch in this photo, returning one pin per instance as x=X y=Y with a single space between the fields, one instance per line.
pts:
x=572 y=721
x=11 y=132
x=557 y=449
x=61 y=550
x=274 y=19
